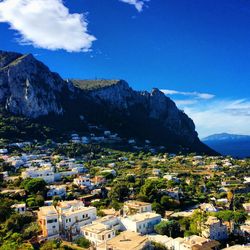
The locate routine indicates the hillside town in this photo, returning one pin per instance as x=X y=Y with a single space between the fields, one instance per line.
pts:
x=86 y=194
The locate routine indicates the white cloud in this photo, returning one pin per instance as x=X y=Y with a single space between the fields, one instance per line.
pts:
x=47 y=24
x=199 y=95
x=185 y=102
x=216 y=116
x=137 y=3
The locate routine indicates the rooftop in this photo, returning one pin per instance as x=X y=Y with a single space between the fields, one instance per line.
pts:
x=96 y=228
x=142 y=216
x=126 y=240
x=136 y=203
x=212 y=220
x=197 y=240
x=47 y=210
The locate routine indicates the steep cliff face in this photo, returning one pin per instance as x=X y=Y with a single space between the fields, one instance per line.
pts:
x=29 y=88
x=154 y=107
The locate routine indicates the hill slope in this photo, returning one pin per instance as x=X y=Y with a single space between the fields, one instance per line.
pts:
x=30 y=89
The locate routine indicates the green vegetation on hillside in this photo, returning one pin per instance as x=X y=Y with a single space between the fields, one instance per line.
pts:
x=93 y=84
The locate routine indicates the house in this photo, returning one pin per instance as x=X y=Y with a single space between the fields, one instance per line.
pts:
x=246 y=206
x=141 y=223
x=75 y=138
x=194 y=242
x=156 y=172
x=57 y=191
x=19 y=208
x=97 y=233
x=85 y=140
x=49 y=221
x=83 y=181
x=46 y=173
x=73 y=215
x=208 y=207
x=98 y=180
x=4 y=175
x=107 y=133
x=245 y=229
x=173 y=193
x=3 y=150
x=162 y=239
x=126 y=240
x=171 y=177
x=110 y=221
x=131 y=141
x=132 y=207
x=214 y=229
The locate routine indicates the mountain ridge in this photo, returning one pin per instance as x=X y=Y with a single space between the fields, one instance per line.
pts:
x=29 y=88
x=225 y=136
x=229 y=144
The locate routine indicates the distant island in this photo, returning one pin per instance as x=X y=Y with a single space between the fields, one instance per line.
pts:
x=229 y=144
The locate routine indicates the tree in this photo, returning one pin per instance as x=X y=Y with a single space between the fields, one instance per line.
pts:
x=5 y=209
x=158 y=208
x=35 y=185
x=150 y=189
x=119 y=192
x=31 y=230
x=158 y=246
x=170 y=228
x=83 y=242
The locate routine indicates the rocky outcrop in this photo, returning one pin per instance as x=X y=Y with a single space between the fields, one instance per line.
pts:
x=29 y=88
x=155 y=105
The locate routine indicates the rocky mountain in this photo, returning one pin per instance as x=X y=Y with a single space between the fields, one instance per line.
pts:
x=229 y=144
x=30 y=89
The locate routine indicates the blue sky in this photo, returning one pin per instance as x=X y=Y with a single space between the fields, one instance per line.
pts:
x=196 y=51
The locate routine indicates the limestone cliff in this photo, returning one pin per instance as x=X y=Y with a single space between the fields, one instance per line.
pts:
x=29 y=88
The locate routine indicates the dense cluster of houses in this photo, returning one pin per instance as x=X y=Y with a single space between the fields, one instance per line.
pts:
x=69 y=219
x=135 y=222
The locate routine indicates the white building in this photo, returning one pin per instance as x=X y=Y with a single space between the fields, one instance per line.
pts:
x=57 y=191
x=110 y=221
x=132 y=207
x=73 y=215
x=156 y=172
x=98 y=233
x=83 y=181
x=3 y=150
x=141 y=223
x=19 y=208
x=246 y=206
x=49 y=221
x=214 y=229
x=85 y=140
x=162 y=239
x=208 y=207
x=45 y=173
x=126 y=241
x=194 y=242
